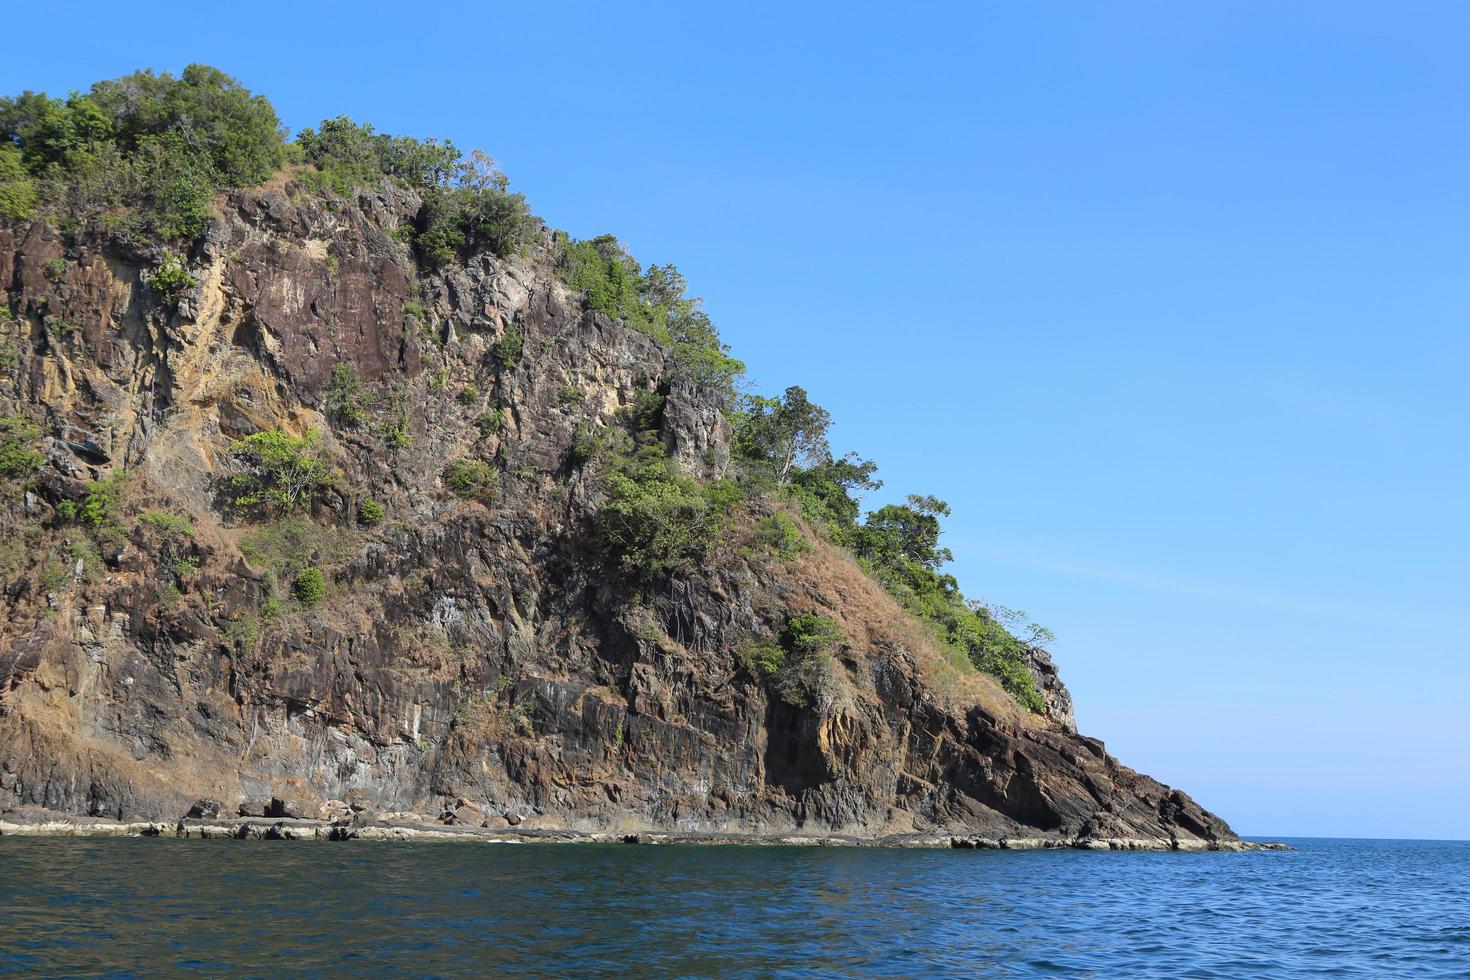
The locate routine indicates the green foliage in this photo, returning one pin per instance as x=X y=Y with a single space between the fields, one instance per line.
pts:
x=469 y=394
x=83 y=554
x=812 y=633
x=778 y=535
x=570 y=394
x=827 y=493
x=397 y=429
x=491 y=422
x=141 y=155
x=902 y=535
x=282 y=472
x=646 y=414
x=171 y=277
x=309 y=587
x=466 y=204
x=800 y=670
x=652 y=301
x=17 y=190
x=344 y=396
x=592 y=441
x=473 y=479
x=171 y=524
x=778 y=435
x=507 y=350
x=782 y=446
x=272 y=609
x=899 y=545
x=657 y=521
x=285 y=547
x=370 y=513
x=18 y=454
x=236 y=132
x=99 y=505
x=761 y=659
x=244 y=633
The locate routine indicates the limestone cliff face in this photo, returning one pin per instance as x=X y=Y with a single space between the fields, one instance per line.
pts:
x=467 y=651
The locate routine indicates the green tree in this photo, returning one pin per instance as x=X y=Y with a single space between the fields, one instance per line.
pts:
x=281 y=472
x=906 y=533
x=829 y=493
x=783 y=433
x=144 y=153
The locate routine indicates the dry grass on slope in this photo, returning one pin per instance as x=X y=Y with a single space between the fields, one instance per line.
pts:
x=828 y=580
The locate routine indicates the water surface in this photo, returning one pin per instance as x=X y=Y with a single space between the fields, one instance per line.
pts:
x=168 y=907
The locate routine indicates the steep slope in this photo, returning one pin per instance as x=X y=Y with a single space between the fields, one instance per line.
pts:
x=476 y=646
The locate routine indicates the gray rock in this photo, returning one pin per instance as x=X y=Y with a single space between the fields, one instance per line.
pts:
x=205 y=809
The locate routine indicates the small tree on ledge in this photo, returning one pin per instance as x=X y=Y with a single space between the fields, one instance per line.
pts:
x=282 y=472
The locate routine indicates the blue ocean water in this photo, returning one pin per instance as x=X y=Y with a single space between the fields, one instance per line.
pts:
x=161 y=907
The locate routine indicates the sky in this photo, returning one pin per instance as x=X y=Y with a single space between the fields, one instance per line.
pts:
x=1169 y=301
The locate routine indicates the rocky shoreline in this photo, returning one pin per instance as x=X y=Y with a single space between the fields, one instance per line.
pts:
x=256 y=828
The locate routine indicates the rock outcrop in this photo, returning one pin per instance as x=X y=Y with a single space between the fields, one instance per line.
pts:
x=473 y=657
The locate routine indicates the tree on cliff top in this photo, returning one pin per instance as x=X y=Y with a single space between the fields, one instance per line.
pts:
x=782 y=434
x=143 y=154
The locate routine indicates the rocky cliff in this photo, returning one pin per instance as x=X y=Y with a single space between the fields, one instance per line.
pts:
x=471 y=654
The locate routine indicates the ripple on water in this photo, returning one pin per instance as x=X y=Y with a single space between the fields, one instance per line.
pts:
x=149 y=907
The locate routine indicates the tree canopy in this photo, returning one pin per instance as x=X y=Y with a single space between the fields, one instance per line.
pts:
x=144 y=153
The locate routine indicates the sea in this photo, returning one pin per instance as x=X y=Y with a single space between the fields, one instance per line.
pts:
x=160 y=907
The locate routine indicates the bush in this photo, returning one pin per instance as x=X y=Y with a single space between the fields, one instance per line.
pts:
x=282 y=472
x=652 y=301
x=491 y=422
x=18 y=454
x=344 y=396
x=507 y=350
x=17 y=190
x=99 y=506
x=473 y=479
x=309 y=587
x=466 y=204
x=812 y=633
x=761 y=659
x=397 y=429
x=658 y=521
x=171 y=278
x=371 y=513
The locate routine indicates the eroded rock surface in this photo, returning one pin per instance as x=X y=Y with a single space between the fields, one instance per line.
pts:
x=473 y=658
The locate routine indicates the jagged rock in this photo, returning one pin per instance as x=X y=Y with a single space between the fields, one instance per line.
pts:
x=334 y=810
x=470 y=648
x=205 y=809
x=292 y=809
x=466 y=814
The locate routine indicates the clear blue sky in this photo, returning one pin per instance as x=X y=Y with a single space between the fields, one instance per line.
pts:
x=1170 y=301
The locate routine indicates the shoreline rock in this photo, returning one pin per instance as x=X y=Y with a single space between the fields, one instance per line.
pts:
x=269 y=828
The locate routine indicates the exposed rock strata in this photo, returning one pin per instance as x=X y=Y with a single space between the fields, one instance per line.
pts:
x=470 y=657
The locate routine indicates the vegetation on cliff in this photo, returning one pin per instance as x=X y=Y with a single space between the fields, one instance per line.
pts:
x=141 y=160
